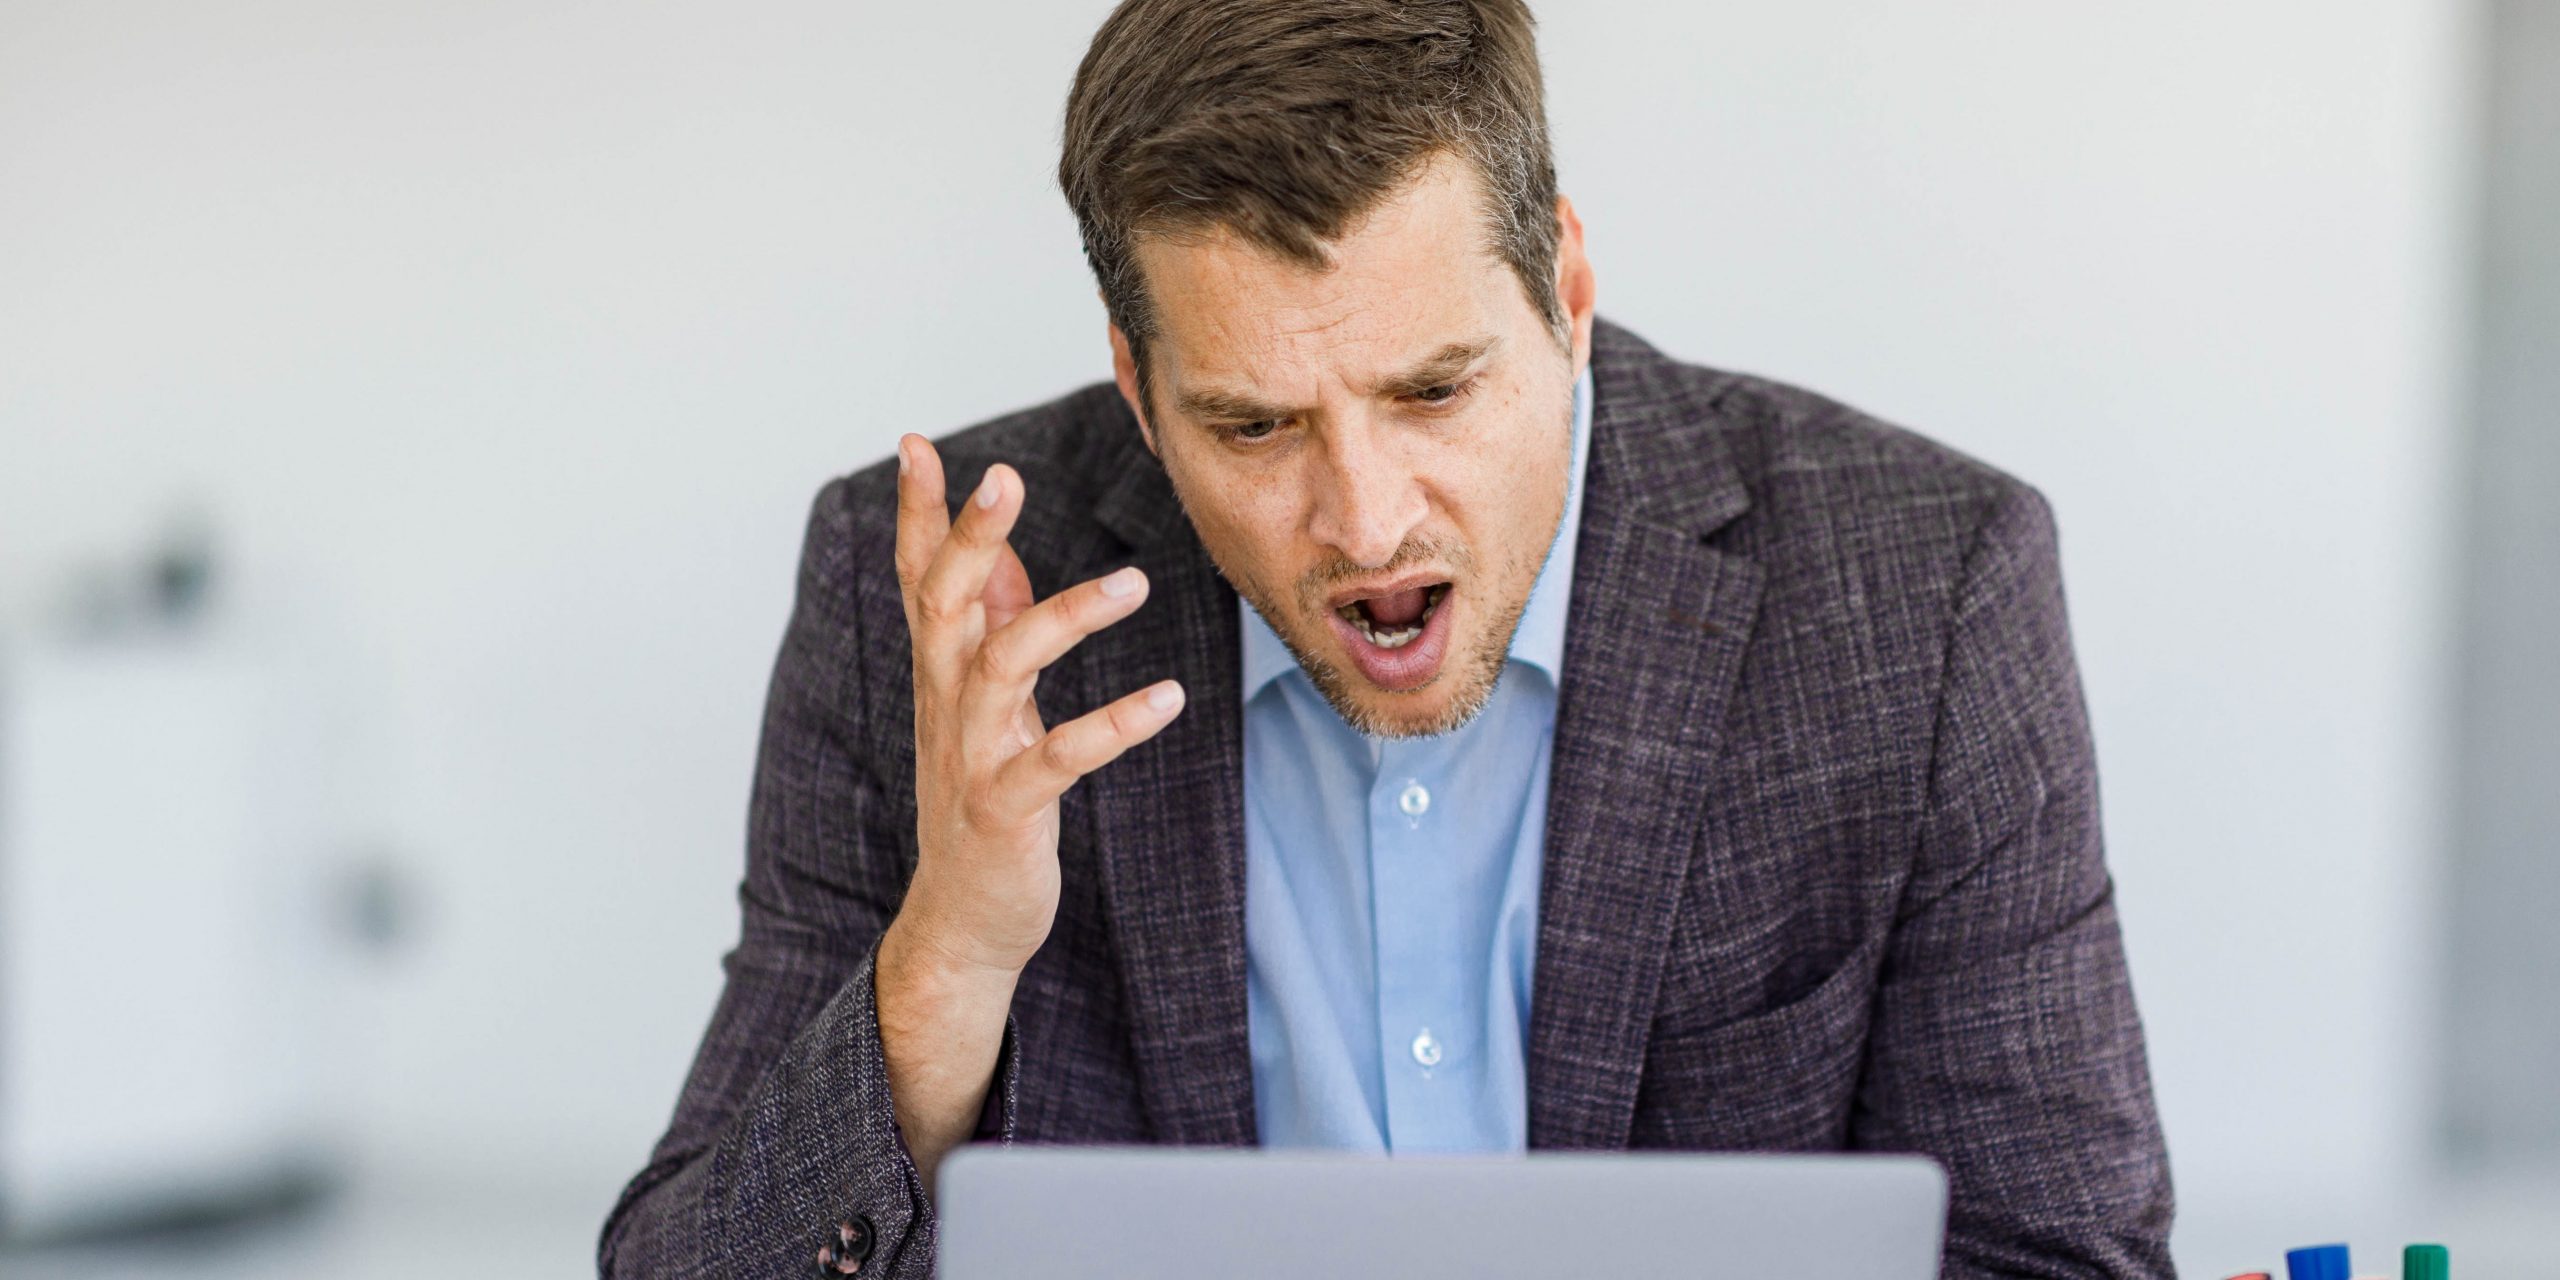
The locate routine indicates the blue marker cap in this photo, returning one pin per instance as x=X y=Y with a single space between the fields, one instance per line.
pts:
x=2319 y=1262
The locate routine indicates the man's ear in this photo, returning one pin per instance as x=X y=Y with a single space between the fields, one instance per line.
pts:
x=1576 y=291
x=1124 y=370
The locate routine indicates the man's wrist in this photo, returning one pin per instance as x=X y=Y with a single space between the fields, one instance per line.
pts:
x=941 y=1024
x=941 y=1036
x=913 y=958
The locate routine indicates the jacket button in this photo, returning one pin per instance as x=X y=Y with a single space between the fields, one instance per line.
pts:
x=850 y=1249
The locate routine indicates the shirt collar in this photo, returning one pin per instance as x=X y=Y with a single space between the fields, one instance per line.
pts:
x=1537 y=641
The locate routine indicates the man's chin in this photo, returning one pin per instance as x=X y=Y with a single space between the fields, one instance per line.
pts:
x=1443 y=704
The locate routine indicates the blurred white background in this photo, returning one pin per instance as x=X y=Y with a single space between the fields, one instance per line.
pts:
x=498 y=349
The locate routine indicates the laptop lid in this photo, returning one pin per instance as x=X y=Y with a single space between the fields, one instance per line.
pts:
x=1155 y=1213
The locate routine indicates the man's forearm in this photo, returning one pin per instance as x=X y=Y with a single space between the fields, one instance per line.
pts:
x=941 y=1028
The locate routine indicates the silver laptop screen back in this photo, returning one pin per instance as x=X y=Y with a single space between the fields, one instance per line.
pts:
x=1060 y=1213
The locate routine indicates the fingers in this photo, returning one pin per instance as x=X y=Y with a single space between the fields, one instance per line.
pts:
x=978 y=638
x=957 y=578
x=945 y=564
x=1010 y=660
x=923 y=518
x=1035 y=778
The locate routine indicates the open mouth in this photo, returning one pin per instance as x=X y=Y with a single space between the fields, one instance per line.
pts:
x=1397 y=619
x=1398 y=639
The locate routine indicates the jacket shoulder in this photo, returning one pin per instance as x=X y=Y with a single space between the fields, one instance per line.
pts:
x=1807 y=456
x=1858 y=521
x=1804 y=459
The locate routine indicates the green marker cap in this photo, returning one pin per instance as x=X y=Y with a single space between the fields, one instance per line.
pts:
x=2425 y=1262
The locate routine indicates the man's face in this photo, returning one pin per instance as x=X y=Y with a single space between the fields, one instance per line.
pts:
x=1375 y=455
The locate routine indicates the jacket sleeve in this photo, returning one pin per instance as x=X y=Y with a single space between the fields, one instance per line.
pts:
x=2005 y=1042
x=784 y=1131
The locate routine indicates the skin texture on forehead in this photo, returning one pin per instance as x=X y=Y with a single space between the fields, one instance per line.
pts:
x=1360 y=475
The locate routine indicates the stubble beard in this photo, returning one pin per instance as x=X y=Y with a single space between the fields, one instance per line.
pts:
x=1476 y=669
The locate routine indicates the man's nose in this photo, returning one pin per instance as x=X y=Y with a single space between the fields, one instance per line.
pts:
x=1367 y=500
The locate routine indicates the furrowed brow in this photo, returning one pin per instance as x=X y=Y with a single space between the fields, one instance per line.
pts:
x=1215 y=405
x=1440 y=368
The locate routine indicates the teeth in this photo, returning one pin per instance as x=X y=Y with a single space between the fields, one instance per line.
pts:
x=1394 y=637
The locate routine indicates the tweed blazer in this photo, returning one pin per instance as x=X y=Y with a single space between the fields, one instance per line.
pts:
x=1822 y=871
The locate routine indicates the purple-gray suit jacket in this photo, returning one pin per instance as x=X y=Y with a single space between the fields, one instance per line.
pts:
x=1823 y=863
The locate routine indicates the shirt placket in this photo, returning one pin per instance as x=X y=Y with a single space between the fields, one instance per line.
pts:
x=1417 y=1031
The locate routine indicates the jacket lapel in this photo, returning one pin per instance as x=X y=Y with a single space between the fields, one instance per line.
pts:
x=1658 y=623
x=1168 y=819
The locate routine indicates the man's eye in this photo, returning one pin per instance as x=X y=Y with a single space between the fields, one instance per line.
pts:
x=1253 y=430
x=1446 y=393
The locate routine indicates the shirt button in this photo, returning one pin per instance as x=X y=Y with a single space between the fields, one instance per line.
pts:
x=1415 y=801
x=1425 y=1049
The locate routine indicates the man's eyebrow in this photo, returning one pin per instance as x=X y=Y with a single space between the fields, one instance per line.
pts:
x=1441 y=367
x=1214 y=404
x=1446 y=365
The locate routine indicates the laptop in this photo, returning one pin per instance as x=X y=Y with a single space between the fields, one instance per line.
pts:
x=1157 y=1213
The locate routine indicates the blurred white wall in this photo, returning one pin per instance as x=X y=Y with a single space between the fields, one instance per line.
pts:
x=2504 y=960
x=506 y=344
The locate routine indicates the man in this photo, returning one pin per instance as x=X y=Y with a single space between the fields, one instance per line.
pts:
x=1405 y=712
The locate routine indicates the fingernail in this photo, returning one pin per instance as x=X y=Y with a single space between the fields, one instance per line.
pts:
x=987 y=490
x=1123 y=583
x=902 y=455
x=1165 y=697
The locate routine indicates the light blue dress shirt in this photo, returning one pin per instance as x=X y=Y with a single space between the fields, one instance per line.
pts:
x=1391 y=894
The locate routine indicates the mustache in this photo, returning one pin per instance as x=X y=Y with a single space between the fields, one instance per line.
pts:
x=1317 y=583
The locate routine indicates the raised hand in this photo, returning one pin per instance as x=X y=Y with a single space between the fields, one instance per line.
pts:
x=988 y=778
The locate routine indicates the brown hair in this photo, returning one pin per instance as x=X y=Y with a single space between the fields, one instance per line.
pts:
x=1285 y=120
